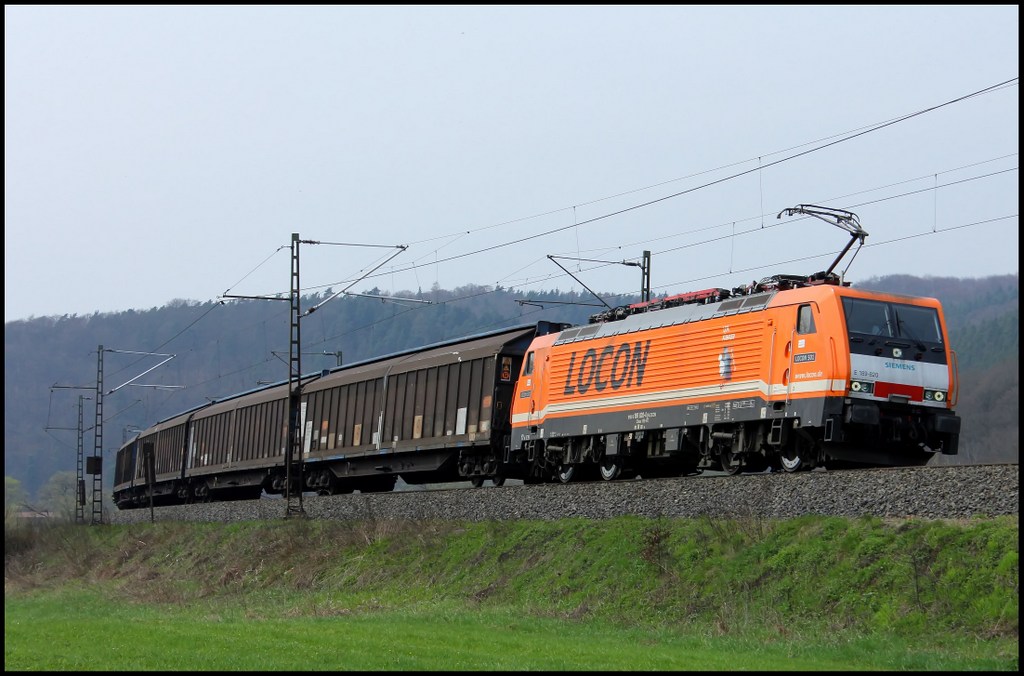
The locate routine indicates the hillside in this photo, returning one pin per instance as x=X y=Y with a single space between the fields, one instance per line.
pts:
x=223 y=349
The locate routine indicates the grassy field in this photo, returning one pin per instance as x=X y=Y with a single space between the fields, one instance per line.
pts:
x=812 y=593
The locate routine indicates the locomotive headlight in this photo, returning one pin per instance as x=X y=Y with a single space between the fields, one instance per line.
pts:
x=934 y=395
x=862 y=386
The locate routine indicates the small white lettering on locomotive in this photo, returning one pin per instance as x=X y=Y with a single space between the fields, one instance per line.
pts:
x=804 y=376
x=641 y=419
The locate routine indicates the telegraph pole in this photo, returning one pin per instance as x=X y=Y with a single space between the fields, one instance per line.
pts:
x=293 y=481
x=94 y=466
x=293 y=451
x=94 y=463
x=80 y=466
x=294 y=446
x=80 y=456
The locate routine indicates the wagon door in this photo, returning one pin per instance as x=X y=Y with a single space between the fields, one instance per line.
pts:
x=504 y=385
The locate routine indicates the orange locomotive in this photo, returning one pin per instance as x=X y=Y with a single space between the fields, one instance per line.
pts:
x=790 y=373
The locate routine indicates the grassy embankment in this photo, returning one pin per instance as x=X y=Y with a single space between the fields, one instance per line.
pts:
x=811 y=593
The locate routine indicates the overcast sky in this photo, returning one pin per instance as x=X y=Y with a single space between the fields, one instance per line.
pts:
x=162 y=153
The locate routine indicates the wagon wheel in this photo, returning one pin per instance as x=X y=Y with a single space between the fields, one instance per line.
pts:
x=477 y=481
x=566 y=473
x=329 y=485
x=611 y=468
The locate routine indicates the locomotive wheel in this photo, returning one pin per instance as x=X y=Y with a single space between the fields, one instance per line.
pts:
x=790 y=458
x=611 y=468
x=498 y=480
x=728 y=465
x=477 y=481
x=566 y=473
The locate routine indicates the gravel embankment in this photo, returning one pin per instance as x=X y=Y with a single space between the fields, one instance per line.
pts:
x=950 y=492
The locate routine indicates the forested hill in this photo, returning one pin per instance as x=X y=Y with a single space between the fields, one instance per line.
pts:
x=222 y=349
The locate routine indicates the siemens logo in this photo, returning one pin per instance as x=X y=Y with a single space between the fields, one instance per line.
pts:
x=900 y=365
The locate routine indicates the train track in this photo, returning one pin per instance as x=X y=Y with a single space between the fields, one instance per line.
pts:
x=942 y=492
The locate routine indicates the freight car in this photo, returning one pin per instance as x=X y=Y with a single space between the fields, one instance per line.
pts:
x=435 y=414
x=788 y=373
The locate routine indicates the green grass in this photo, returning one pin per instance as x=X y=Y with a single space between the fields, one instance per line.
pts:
x=624 y=594
x=83 y=630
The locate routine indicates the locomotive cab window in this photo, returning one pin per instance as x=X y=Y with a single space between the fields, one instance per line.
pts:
x=868 y=317
x=892 y=320
x=918 y=323
x=805 y=320
x=528 y=366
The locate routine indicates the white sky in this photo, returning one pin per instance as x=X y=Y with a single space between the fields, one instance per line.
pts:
x=161 y=153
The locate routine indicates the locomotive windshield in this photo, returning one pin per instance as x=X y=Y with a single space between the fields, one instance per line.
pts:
x=892 y=320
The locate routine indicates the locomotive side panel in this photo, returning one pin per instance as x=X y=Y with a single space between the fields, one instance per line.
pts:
x=806 y=359
x=646 y=379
